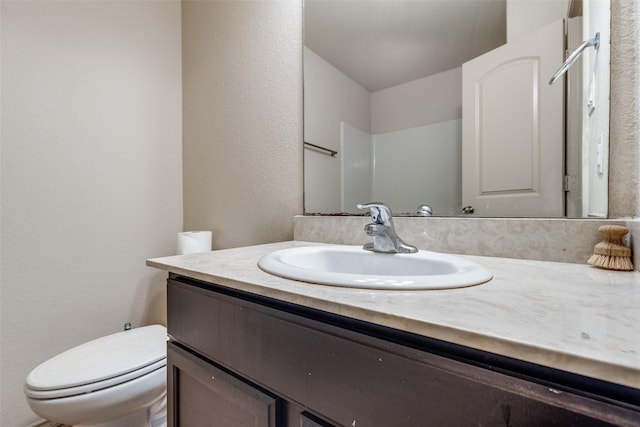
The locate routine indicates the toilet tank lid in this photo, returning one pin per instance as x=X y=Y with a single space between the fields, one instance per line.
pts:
x=101 y=359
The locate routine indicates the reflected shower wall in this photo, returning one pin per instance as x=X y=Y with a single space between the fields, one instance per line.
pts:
x=356 y=147
x=424 y=159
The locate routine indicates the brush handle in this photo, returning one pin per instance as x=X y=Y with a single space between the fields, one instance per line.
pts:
x=613 y=233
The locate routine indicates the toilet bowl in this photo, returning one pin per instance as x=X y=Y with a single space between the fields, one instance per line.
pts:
x=115 y=381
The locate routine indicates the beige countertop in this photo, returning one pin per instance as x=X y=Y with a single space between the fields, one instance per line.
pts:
x=571 y=317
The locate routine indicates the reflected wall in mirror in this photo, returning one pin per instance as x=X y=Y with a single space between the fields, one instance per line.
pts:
x=446 y=103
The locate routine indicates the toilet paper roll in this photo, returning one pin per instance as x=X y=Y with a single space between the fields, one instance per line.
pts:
x=190 y=242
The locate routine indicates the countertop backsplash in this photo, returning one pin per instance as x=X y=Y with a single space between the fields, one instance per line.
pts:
x=559 y=240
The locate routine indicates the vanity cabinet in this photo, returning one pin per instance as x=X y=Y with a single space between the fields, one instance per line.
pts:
x=238 y=359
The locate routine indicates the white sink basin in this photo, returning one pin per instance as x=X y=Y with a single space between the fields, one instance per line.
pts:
x=352 y=266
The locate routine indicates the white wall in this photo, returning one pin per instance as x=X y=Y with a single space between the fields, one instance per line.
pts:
x=356 y=148
x=425 y=101
x=595 y=72
x=330 y=97
x=242 y=94
x=373 y=164
x=525 y=16
x=417 y=134
x=91 y=175
x=427 y=161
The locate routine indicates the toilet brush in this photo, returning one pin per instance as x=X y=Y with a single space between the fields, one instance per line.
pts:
x=611 y=253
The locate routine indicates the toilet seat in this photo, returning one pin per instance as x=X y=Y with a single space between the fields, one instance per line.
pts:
x=101 y=363
x=94 y=386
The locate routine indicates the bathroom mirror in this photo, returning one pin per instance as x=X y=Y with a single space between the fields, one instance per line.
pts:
x=384 y=118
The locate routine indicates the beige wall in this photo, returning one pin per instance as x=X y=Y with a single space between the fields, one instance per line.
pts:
x=624 y=136
x=242 y=94
x=624 y=167
x=91 y=175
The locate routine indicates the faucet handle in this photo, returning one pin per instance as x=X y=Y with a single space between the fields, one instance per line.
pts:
x=380 y=213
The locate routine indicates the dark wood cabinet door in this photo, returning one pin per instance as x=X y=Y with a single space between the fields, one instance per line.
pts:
x=200 y=394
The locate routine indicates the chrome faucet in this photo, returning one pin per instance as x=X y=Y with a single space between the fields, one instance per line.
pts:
x=424 y=210
x=383 y=232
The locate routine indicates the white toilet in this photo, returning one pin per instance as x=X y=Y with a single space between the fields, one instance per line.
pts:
x=114 y=381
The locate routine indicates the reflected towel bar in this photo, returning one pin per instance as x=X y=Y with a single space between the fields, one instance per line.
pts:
x=595 y=42
x=331 y=153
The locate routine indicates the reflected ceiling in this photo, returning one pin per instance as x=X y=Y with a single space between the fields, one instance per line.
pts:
x=368 y=42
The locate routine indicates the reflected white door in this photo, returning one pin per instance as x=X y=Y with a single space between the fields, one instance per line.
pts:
x=512 y=128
